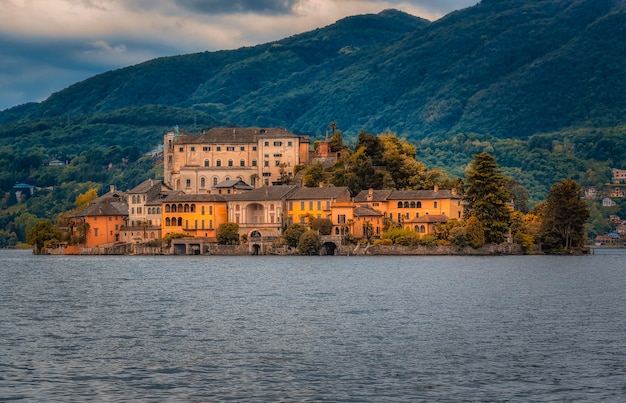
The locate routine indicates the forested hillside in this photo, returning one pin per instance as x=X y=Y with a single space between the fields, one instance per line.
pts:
x=540 y=83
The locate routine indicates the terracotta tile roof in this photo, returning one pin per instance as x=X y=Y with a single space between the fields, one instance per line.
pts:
x=423 y=194
x=366 y=211
x=377 y=195
x=429 y=218
x=235 y=135
x=190 y=198
x=317 y=193
x=265 y=193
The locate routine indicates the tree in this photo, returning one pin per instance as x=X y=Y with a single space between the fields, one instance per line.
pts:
x=309 y=243
x=323 y=225
x=83 y=199
x=475 y=232
x=486 y=197
x=228 y=234
x=565 y=214
x=41 y=234
x=292 y=234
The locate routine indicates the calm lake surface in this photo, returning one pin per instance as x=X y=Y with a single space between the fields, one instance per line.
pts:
x=339 y=329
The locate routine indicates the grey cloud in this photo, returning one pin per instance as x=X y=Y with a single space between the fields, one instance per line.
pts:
x=268 y=7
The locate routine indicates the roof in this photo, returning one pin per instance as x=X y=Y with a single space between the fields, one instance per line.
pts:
x=191 y=198
x=317 y=193
x=149 y=185
x=110 y=204
x=386 y=195
x=429 y=218
x=377 y=195
x=265 y=193
x=235 y=135
x=233 y=184
x=365 y=210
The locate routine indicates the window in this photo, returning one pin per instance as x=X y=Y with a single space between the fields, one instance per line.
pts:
x=266 y=163
x=302 y=205
x=406 y=204
x=203 y=182
x=230 y=163
x=188 y=183
x=289 y=144
x=310 y=205
x=319 y=205
x=193 y=149
x=218 y=163
x=419 y=204
x=218 y=148
x=266 y=144
x=327 y=204
x=435 y=204
x=202 y=210
x=253 y=163
x=399 y=204
x=242 y=148
x=95 y=231
x=277 y=155
x=290 y=206
x=206 y=148
x=277 y=163
x=242 y=163
x=180 y=149
x=214 y=181
x=341 y=219
x=278 y=143
x=253 y=148
x=230 y=148
x=206 y=163
x=412 y=204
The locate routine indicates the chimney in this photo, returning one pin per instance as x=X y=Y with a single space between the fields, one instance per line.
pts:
x=436 y=188
x=112 y=188
x=370 y=194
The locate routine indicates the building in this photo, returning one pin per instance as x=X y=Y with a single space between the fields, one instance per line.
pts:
x=305 y=204
x=404 y=205
x=194 y=215
x=100 y=223
x=619 y=176
x=144 y=211
x=258 y=156
x=425 y=224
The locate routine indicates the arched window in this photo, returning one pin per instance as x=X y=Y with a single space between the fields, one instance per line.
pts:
x=422 y=229
x=193 y=208
x=214 y=180
x=206 y=163
x=406 y=204
x=167 y=208
x=237 y=207
x=180 y=208
x=417 y=228
x=419 y=204
x=218 y=163
x=399 y=204
x=412 y=204
x=180 y=221
x=271 y=207
x=186 y=208
x=158 y=210
x=174 y=209
x=435 y=204
x=227 y=178
x=203 y=182
x=167 y=221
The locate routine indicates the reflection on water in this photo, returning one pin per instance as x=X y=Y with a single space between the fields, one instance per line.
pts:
x=532 y=328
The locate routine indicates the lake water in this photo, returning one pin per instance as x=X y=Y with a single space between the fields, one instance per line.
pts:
x=339 y=329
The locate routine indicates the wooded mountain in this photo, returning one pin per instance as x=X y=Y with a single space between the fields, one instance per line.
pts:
x=539 y=71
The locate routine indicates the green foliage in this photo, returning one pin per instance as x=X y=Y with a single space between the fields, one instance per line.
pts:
x=292 y=234
x=396 y=233
x=228 y=234
x=309 y=243
x=475 y=232
x=41 y=235
x=323 y=225
x=486 y=199
x=564 y=218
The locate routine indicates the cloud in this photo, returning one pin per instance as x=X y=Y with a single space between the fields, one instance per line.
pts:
x=49 y=45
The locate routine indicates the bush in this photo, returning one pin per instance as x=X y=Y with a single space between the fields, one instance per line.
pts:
x=293 y=233
x=386 y=242
x=429 y=240
x=309 y=243
x=412 y=239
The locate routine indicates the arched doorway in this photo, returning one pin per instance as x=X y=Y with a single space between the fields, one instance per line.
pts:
x=256 y=249
x=328 y=249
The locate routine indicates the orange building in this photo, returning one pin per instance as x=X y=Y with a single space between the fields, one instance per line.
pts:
x=402 y=206
x=308 y=203
x=196 y=215
x=99 y=224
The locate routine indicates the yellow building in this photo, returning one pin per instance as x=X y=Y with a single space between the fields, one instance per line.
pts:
x=193 y=214
x=402 y=206
x=257 y=156
x=306 y=204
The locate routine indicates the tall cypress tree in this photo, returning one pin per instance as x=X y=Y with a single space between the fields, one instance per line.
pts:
x=486 y=197
x=564 y=218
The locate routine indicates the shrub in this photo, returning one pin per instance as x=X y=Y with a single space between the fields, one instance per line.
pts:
x=309 y=243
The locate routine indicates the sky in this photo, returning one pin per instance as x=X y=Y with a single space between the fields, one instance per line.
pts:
x=47 y=45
